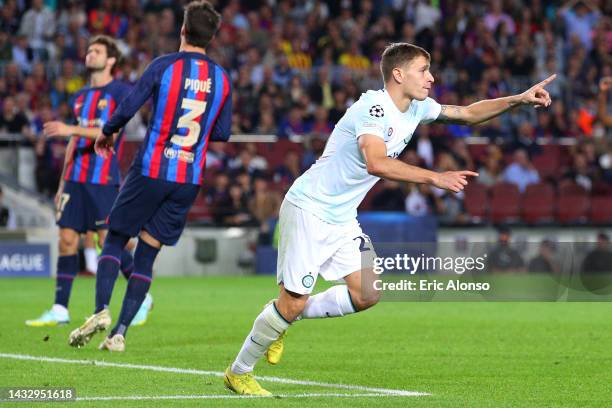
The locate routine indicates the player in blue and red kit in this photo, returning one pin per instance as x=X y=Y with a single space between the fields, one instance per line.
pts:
x=191 y=105
x=89 y=183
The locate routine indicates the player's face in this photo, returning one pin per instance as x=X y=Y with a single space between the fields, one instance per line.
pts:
x=96 y=58
x=417 y=78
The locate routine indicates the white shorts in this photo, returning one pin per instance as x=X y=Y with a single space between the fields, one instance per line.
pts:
x=309 y=246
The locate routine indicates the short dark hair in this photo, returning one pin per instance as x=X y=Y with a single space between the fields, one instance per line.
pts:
x=398 y=54
x=112 y=49
x=201 y=23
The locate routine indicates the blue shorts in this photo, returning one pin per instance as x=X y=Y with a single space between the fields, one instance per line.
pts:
x=157 y=206
x=85 y=206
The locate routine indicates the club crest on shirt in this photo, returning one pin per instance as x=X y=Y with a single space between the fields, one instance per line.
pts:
x=377 y=111
x=102 y=104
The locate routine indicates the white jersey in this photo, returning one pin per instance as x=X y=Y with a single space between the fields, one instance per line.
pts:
x=335 y=185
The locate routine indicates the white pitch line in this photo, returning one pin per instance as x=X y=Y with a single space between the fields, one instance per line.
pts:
x=384 y=391
x=184 y=397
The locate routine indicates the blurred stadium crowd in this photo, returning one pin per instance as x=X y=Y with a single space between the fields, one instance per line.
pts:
x=297 y=65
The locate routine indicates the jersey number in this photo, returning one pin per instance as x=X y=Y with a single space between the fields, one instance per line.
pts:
x=196 y=108
x=362 y=243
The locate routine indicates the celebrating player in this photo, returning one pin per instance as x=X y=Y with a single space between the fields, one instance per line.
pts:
x=319 y=232
x=89 y=184
x=192 y=105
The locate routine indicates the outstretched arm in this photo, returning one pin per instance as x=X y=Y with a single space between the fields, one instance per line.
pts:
x=487 y=109
x=59 y=129
x=602 y=103
x=378 y=164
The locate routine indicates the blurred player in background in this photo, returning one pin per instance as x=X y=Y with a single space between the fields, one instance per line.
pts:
x=89 y=183
x=319 y=232
x=192 y=105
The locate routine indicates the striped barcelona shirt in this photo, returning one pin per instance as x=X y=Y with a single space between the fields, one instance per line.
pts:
x=93 y=107
x=191 y=104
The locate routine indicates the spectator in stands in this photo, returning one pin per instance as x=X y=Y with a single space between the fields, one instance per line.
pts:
x=422 y=201
x=234 y=210
x=580 y=18
x=450 y=209
x=545 y=261
x=50 y=154
x=521 y=172
x=310 y=55
x=219 y=191
x=294 y=123
x=496 y=16
x=502 y=257
x=314 y=150
x=264 y=204
x=321 y=124
x=247 y=162
x=290 y=170
x=602 y=105
x=38 y=27
x=267 y=124
x=425 y=148
x=490 y=173
x=390 y=198
x=599 y=260
x=7 y=217
x=581 y=172
x=14 y=121
x=526 y=139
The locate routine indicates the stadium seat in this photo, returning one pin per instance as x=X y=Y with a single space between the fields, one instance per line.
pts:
x=478 y=151
x=505 y=203
x=476 y=201
x=275 y=152
x=573 y=208
x=568 y=187
x=538 y=203
x=601 y=210
x=547 y=164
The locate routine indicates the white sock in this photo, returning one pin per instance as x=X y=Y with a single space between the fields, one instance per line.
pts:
x=91 y=259
x=268 y=327
x=59 y=309
x=334 y=302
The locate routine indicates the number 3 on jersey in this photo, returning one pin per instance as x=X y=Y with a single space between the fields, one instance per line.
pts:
x=188 y=120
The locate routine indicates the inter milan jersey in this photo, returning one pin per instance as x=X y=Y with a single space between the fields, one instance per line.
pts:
x=191 y=104
x=92 y=108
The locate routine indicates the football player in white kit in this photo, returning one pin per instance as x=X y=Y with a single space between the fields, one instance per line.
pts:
x=319 y=232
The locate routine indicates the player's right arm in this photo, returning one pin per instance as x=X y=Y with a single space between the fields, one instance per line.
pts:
x=378 y=164
x=59 y=129
x=139 y=94
x=67 y=158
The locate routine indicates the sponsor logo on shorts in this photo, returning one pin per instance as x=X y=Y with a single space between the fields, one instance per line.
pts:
x=100 y=222
x=308 y=281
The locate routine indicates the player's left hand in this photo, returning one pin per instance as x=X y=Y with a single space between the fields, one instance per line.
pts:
x=56 y=128
x=104 y=145
x=537 y=95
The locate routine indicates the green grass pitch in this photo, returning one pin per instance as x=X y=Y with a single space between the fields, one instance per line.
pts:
x=463 y=354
